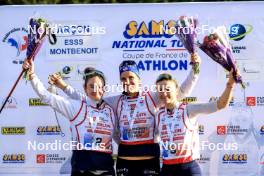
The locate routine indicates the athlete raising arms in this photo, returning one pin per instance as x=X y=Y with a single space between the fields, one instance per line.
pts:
x=178 y=128
x=92 y=123
x=138 y=151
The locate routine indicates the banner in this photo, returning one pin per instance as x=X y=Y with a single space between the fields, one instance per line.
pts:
x=101 y=36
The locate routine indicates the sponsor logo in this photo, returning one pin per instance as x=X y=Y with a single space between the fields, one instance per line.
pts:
x=14 y=158
x=40 y=158
x=11 y=103
x=65 y=72
x=231 y=130
x=140 y=38
x=48 y=130
x=251 y=101
x=262 y=130
x=152 y=33
x=201 y=129
x=212 y=99
x=77 y=30
x=234 y=158
x=164 y=65
x=13 y=130
x=36 y=102
x=49 y=158
x=255 y=101
x=17 y=39
x=237 y=32
x=189 y=99
x=251 y=69
x=77 y=40
x=221 y=130
x=260 y=101
x=203 y=159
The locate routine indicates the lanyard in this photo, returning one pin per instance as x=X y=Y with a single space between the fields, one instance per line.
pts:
x=170 y=123
x=93 y=119
x=128 y=112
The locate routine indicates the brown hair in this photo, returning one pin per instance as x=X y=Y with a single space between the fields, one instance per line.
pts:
x=90 y=72
x=166 y=77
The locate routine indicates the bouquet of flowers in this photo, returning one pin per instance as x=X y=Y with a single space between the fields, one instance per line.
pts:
x=36 y=35
x=187 y=34
x=217 y=47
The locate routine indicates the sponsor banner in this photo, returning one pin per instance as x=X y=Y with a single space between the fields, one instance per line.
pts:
x=50 y=159
x=97 y=36
x=13 y=130
x=48 y=130
x=75 y=39
x=13 y=158
x=36 y=102
x=231 y=130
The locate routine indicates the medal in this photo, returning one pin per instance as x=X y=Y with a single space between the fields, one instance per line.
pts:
x=165 y=153
x=171 y=123
x=131 y=113
x=125 y=134
x=88 y=140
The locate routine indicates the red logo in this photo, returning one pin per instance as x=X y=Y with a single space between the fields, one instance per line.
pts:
x=221 y=130
x=251 y=101
x=132 y=106
x=41 y=158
